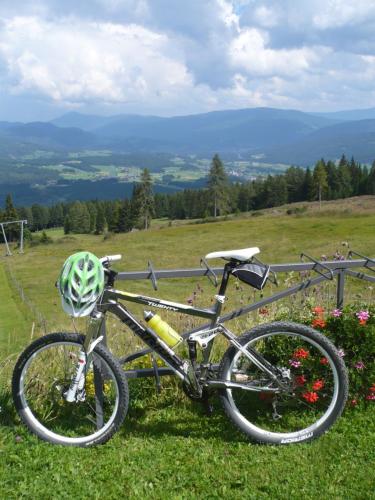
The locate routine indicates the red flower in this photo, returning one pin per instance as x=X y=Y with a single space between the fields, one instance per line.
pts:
x=372 y=388
x=300 y=380
x=353 y=402
x=310 y=397
x=323 y=361
x=301 y=353
x=318 y=311
x=318 y=323
x=362 y=322
x=317 y=385
x=264 y=311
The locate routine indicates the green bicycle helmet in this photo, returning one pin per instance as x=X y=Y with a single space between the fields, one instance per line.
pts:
x=81 y=283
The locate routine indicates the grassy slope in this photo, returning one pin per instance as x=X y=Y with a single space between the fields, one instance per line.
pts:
x=12 y=319
x=166 y=449
x=281 y=238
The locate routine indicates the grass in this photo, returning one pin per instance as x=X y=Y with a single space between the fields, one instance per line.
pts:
x=13 y=323
x=167 y=448
x=171 y=450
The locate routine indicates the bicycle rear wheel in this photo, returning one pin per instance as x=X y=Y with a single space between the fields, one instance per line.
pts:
x=41 y=378
x=314 y=393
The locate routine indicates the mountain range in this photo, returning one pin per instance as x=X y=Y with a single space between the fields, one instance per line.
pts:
x=270 y=135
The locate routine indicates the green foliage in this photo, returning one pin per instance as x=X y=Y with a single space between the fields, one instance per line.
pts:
x=356 y=339
x=100 y=219
x=143 y=205
x=218 y=187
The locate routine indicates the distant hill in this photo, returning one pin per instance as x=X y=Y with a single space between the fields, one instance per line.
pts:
x=350 y=115
x=245 y=129
x=268 y=134
x=46 y=135
x=79 y=120
x=356 y=138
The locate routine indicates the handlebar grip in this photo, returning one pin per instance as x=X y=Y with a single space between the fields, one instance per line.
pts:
x=111 y=258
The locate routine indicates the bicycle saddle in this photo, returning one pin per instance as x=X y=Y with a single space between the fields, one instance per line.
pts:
x=242 y=255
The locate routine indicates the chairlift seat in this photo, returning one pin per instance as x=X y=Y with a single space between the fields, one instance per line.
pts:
x=242 y=255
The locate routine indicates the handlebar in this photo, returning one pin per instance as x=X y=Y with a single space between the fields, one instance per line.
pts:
x=107 y=259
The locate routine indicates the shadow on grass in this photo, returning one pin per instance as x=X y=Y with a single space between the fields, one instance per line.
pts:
x=183 y=419
x=163 y=417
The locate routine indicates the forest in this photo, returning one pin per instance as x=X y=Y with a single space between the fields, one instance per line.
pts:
x=327 y=180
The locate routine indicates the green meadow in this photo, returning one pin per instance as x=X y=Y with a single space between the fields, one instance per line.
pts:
x=167 y=447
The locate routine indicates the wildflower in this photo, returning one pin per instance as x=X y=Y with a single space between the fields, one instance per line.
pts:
x=294 y=363
x=323 y=361
x=323 y=257
x=341 y=353
x=301 y=353
x=318 y=384
x=353 y=402
x=318 y=311
x=363 y=316
x=264 y=311
x=372 y=388
x=370 y=397
x=300 y=380
x=360 y=365
x=318 y=323
x=310 y=397
x=336 y=313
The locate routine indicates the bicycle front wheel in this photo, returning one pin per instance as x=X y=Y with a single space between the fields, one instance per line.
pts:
x=42 y=377
x=313 y=393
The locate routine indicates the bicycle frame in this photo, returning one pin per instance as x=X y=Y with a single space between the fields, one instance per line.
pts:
x=204 y=337
x=110 y=303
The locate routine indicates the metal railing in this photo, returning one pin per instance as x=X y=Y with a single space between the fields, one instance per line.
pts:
x=324 y=270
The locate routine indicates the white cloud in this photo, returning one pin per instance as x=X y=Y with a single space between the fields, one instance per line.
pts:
x=339 y=13
x=87 y=61
x=250 y=51
x=168 y=57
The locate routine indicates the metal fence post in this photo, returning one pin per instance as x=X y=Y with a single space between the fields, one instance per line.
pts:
x=340 y=289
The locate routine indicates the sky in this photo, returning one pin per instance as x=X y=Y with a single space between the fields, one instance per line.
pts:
x=176 y=57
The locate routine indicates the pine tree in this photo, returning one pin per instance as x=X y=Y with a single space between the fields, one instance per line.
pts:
x=10 y=214
x=218 y=187
x=93 y=214
x=100 y=219
x=320 y=179
x=125 y=223
x=67 y=224
x=79 y=218
x=143 y=207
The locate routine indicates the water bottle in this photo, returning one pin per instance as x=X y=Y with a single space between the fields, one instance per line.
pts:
x=165 y=332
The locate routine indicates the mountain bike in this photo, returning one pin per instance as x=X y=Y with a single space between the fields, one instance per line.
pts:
x=279 y=383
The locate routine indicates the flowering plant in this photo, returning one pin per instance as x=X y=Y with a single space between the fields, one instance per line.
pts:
x=352 y=330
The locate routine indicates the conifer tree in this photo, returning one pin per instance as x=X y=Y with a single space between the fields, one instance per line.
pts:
x=67 y=224
x=218 y=187
x=125 y=223
x=12 y=231
x=143 y=207
x=320 y=179
x=100 y=219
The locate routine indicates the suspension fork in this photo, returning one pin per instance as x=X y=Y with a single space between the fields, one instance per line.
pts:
x=92 y=338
